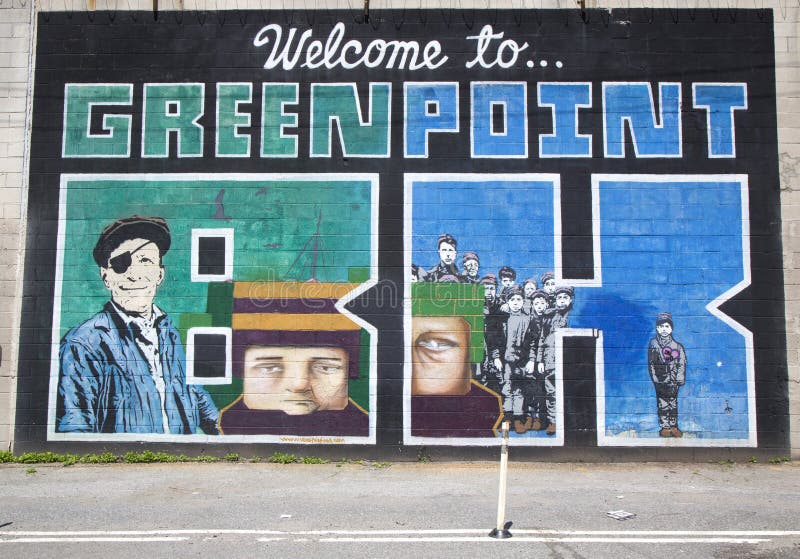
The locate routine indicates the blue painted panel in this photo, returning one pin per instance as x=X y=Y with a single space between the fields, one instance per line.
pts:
x=691 y=253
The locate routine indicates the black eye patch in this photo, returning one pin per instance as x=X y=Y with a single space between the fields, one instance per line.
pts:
x=121 y=262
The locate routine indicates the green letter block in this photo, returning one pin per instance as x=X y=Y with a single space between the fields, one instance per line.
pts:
x=274 y=143
x=230 y=143
x=172 y=107
x=78 y=140
x=359 y=138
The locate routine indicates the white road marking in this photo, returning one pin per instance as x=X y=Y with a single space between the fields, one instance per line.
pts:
x=91 y=539
x=573 y=539
x=721 y=533
x=135 y=532
x=407 y=536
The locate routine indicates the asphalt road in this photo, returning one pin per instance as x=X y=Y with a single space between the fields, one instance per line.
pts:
x=399 y=510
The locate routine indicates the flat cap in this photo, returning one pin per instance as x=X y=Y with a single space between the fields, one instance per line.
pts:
x=507 y=272
x=664 y=317
x=565 y=289
x=447 y=238
x=153 y=229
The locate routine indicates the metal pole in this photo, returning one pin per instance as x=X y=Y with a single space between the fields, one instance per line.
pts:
x=501 y=529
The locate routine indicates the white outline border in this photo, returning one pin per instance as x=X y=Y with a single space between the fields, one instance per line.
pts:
x=712 y=307
x=554 y=133
x=558 y=264
x=106 y=128
x=732 y=110
x=658 y=123
x=226 y=233
x=214 y=330
x=372 y=178
x=408 y=187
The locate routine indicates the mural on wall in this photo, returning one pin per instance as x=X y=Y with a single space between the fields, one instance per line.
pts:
x=666 y=362
x=484 y=330
x=122 y=370
x=674 y=249
x=652 y=246
x=257 y=306
x=576 y=216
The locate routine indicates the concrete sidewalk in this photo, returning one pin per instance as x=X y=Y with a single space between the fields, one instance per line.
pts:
x=400 y=510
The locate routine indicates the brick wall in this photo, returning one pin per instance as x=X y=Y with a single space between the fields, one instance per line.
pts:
x=787 y=60
x=15 y=30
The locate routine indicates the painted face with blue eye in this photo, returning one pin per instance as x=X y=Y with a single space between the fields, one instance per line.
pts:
x=440 y=355
x=133 y=285
x=295 y=380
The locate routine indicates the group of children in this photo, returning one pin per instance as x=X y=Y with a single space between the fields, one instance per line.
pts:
x=520 y=325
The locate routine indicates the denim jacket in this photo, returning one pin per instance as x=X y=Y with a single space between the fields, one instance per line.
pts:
x=105 y=385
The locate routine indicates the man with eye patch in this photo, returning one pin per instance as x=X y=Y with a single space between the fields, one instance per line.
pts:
x=123 y=370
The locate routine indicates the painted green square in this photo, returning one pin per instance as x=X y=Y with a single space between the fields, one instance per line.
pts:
x=220 y=303
x=357 y=275
x=188 y=320
x=225 y=394
x=358 y=389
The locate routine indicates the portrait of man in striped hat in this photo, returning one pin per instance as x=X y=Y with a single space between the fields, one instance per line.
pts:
x=296 y=356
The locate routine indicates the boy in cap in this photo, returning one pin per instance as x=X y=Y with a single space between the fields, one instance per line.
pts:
x=448 y=250
x=470 y=264
x=666 y=363
x=548 y=283
x=536 y=398
x=489 y=375
x=513 y=360
x=528 y=287
x=489 y=283
x=122 y=370
x=507 y=278
x=557 y=319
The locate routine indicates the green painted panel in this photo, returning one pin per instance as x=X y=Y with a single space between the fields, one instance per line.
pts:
x=357 y=275
x=358 y=389
x=192 y=320
x=279 y=226
x=220 y=303
x=225 y=394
